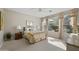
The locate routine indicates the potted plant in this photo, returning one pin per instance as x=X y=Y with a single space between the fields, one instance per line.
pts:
x=55 y=28
x=8 y=36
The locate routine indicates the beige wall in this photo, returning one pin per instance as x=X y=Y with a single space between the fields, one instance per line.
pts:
x=1 y=31
x=13 y=19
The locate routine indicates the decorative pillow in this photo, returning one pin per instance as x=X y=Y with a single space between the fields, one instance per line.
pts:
x=30 y=33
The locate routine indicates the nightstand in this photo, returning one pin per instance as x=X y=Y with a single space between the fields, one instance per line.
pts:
x=18 y=35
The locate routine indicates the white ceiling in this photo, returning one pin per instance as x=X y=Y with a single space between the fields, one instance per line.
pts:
x=37 y=13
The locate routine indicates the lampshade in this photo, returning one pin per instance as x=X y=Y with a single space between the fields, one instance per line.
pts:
x=27 y=23
x=31 y=24
x=19 y=27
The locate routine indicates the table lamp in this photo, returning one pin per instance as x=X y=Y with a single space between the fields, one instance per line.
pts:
x=19 y=28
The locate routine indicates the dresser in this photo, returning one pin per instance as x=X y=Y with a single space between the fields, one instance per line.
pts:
x=18 y=35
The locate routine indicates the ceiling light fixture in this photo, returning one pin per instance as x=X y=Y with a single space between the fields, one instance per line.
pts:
x=39 y=9
x=50 y=10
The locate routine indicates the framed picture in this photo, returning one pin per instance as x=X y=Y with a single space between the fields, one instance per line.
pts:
x=0 y=20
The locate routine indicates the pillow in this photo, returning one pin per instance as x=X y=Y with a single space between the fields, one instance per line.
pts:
x=27 y=33
x=30 y=33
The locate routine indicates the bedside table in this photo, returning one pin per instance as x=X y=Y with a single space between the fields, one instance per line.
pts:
x=18 y=35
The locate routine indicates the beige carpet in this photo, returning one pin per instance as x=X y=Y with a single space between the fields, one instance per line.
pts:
x=22 y=45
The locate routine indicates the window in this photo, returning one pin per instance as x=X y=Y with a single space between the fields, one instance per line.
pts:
x=53 y=24
x=68 y=23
